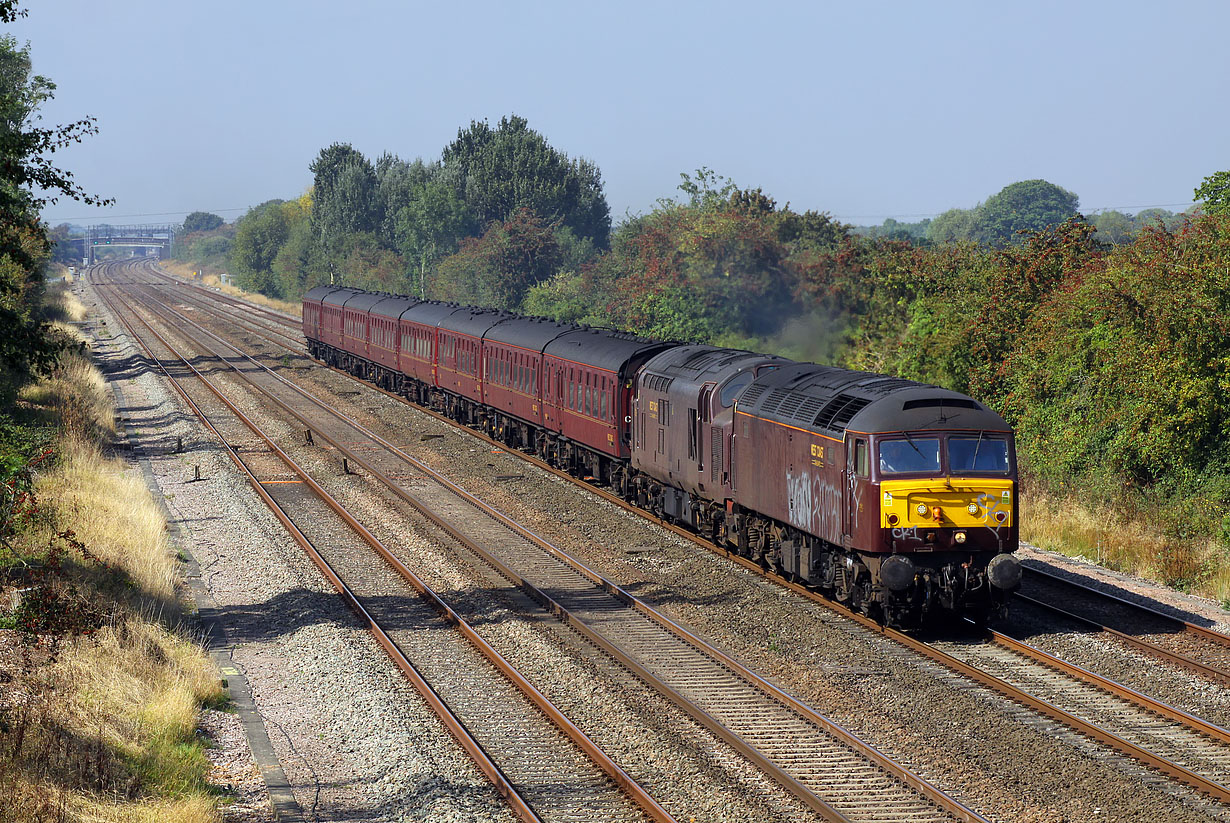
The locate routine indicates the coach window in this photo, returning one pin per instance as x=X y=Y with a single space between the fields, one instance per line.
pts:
x=604 y=406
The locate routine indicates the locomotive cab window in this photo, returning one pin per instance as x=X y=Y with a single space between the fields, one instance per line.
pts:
x=862 y=466
x=734 y=387
x=910 y=456
x=978 y=454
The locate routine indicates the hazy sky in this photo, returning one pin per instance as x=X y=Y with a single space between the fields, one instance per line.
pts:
x=861 y=109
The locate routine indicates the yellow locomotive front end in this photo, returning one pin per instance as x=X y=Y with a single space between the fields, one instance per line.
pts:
x=948 y=520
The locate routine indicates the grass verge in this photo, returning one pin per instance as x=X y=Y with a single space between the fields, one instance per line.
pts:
x=100 y=691
x=1107 y=536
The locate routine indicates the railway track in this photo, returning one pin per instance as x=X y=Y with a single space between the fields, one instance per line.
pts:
x=824 y=766
x=1189 y=646
x=543 y=766
x=1183 y=747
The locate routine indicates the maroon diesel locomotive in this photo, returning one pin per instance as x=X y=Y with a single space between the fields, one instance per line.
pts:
x=896 y=497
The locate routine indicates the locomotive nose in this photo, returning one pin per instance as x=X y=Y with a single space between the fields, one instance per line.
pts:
x=1004 y=571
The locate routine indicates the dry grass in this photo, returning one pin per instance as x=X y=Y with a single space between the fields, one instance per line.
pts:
x=213 y=281
x=107 y=731
x=61 y=304
x=1105 y=536
x=102 y=726
x=107 y=504
x=76 y=398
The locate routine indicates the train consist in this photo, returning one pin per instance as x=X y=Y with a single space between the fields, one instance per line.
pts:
x=896 y=497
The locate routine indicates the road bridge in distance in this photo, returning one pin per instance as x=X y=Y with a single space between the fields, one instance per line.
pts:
x=159 y=236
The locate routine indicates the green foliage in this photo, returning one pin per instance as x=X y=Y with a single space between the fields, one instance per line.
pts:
x=1113 y=227
x=1214 y=192
x=344 y=197
x=1027 y=206
x=498 y=268
x=500 y=171
x=431 y=224
x=1126 y=369
x=201 y=221
x=259 y=236
x=952 y=226
x=893 y=229
x=28 y=181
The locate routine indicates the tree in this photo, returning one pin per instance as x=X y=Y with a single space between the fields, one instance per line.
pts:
x=28 y=181
x=259 y=237
x=1113 y=227
x=431 y=226
x=201 y=221
x=344 y=199
x=498 y=268
x=1030 y=205
x=1215 y=193
x=500 y=171
x=952 y=226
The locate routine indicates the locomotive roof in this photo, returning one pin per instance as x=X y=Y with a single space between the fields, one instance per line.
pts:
x=392 y=305
x=701 y=364
x=831 y=400
x=601 y=348
x=472 y=321
x=340 y=296
x=318 y=293
x=528 y=332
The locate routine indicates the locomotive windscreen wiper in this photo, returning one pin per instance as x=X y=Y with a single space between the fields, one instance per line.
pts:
x=910 y=440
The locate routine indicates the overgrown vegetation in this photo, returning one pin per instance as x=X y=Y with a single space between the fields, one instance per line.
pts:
x=99 y=697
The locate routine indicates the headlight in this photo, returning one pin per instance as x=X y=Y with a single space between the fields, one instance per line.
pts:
x=959 y=537
x=922 y=509
x=972 y=508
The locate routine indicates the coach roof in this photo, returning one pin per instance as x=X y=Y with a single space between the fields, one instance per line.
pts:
x=392 y=305
x=601 y=348
x=340 y=296
x=317 y=294
x=473 y=322
x=528 y=332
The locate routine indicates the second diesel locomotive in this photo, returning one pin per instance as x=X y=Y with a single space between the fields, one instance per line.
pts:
x=896 y=497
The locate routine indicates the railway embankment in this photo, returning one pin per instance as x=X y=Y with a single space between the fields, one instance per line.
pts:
x=102 y=686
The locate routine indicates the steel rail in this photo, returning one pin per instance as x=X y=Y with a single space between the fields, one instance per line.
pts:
x=1180 y=660
x=287 y=319
x=998 y=685
x=455 y=725
x=1202 y=632
x=886 y=764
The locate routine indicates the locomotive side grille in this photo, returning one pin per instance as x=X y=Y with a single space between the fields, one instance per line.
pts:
x=790 y=406
x=807 y=411
x=840 y=410
x=657 y=382
x=774 y=402
x=715 y=465
x=751 y=395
